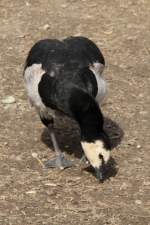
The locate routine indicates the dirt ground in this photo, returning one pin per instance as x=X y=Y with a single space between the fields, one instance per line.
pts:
x=32 y=195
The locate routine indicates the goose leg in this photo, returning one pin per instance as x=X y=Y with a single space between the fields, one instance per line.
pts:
x=59 y=161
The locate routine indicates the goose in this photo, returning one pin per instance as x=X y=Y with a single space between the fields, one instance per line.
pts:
x=65 y=77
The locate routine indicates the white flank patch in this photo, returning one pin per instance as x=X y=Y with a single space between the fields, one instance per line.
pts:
x=97 y=68
x=32 y=77
x=92 y=151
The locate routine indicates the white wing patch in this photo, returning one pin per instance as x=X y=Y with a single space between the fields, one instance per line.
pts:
x=32 y=77
x=97 y=68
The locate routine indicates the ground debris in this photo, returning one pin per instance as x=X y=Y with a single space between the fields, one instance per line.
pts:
x=46 y=27
x=31 y=192
x=8 y=100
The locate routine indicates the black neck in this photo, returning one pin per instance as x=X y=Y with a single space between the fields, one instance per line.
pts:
x=88 y=115
x=91 y=123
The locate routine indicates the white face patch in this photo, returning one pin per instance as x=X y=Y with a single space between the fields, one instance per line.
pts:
x=97 y=68
x=92 y=152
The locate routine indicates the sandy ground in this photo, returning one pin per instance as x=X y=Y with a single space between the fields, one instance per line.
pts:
x=28 y=193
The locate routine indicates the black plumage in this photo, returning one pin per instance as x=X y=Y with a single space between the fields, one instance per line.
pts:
x=68 y=84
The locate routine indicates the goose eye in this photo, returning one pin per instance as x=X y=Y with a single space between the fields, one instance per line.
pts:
x=101 y=156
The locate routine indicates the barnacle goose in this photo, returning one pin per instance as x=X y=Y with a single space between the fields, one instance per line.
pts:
x=66 y=76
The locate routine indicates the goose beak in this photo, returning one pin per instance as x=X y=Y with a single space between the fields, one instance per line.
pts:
x=100 y=174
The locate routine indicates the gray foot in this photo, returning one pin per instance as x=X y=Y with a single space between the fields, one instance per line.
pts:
x=59 y=162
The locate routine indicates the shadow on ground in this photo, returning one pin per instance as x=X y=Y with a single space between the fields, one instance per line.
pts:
x=68 y=137
x=114 y=132
x=110 y=170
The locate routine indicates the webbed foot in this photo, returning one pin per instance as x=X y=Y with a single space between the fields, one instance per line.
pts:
x=59 y=162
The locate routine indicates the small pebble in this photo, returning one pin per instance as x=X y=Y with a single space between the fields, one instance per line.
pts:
x=123 y=186
x=5 y=143
x=131 y=142
x=143 y=112
x=146 y=183
x=28 y=4
x=9 y=100
x=108 y=32
x=50 y=184
x=31 y=192
x=64 y=5
x=18 y=158
x=138 y=202
x=138 y=146
x=46 y=27
x=34 y=155
x=139 y=160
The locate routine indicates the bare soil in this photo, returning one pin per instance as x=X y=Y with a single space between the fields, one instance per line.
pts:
x=32 y=195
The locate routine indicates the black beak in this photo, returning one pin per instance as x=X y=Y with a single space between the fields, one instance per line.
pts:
x=100 y=173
